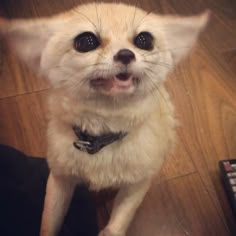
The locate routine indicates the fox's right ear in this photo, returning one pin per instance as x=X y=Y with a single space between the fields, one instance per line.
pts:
x=27 y=38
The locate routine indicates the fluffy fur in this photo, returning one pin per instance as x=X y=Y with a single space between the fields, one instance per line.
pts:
x=143 y=110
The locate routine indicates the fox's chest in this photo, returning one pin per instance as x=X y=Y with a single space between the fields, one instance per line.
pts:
x=129 y=159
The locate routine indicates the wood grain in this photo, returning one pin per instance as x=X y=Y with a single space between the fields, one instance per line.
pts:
x=210 y=98
x=15 y=78
x=187 y=198
x=229 y=58
x=185 y=204
x=23 y=123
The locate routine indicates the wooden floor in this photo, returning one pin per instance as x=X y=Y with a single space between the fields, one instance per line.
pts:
x=188 y=197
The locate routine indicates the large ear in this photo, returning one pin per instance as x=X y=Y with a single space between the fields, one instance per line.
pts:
x=27 y=38
x=181 y=33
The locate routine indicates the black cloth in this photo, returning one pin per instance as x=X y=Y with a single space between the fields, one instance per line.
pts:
x=22 y=190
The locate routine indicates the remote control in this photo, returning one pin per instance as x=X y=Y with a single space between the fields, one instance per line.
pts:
x=228 y=172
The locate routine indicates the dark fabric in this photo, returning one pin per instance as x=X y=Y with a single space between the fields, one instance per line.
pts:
x=22 y=189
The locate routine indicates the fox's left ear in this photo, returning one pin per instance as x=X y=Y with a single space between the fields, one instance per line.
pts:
x=181 y=33
x=27 y=38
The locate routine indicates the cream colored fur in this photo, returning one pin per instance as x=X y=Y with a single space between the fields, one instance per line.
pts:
x=145 y=112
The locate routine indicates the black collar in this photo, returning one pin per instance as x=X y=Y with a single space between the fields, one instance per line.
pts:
x=93 y=144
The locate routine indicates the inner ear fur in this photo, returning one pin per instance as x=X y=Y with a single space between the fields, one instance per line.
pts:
x=181 y=33
x=27 y=38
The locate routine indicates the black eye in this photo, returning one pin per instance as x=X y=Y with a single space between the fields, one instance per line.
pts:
x=86 y=42
x=144 y=40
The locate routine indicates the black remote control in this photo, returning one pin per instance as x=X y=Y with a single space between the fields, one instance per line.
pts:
x=228 y=172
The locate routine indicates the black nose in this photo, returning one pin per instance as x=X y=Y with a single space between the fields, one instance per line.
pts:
x=125 y=56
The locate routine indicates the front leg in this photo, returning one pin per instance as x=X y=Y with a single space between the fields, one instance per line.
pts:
x=59 y=192
x=126 y=203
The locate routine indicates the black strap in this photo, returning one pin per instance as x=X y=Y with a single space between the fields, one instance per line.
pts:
x=93 y=144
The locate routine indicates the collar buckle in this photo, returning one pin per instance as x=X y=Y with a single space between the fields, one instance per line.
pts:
x=82 y=145
x=93 y=144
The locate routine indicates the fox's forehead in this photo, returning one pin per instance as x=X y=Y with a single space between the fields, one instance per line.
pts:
x=108 y=19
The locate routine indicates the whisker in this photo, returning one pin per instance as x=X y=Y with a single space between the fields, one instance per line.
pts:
x=95 y=64
x=74 y=88
x=164 y=64
x=65 y=66
x=82 y=2
x=165 y=50
x=100 y=55
x=147 y=14
x=151 y=88
x=135 y=11
x=154 y=86
x=157 y=88
x=150 y=62
x=168 y=66
x=98 y=19
x=80 y=13
x=51 y=68
x=158 y=63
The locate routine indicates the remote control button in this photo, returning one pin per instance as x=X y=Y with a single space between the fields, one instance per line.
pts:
x=234 y=188
x=227 y=166
x=233 y=166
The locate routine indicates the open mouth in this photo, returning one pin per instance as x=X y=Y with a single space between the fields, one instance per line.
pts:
x=120 y=82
